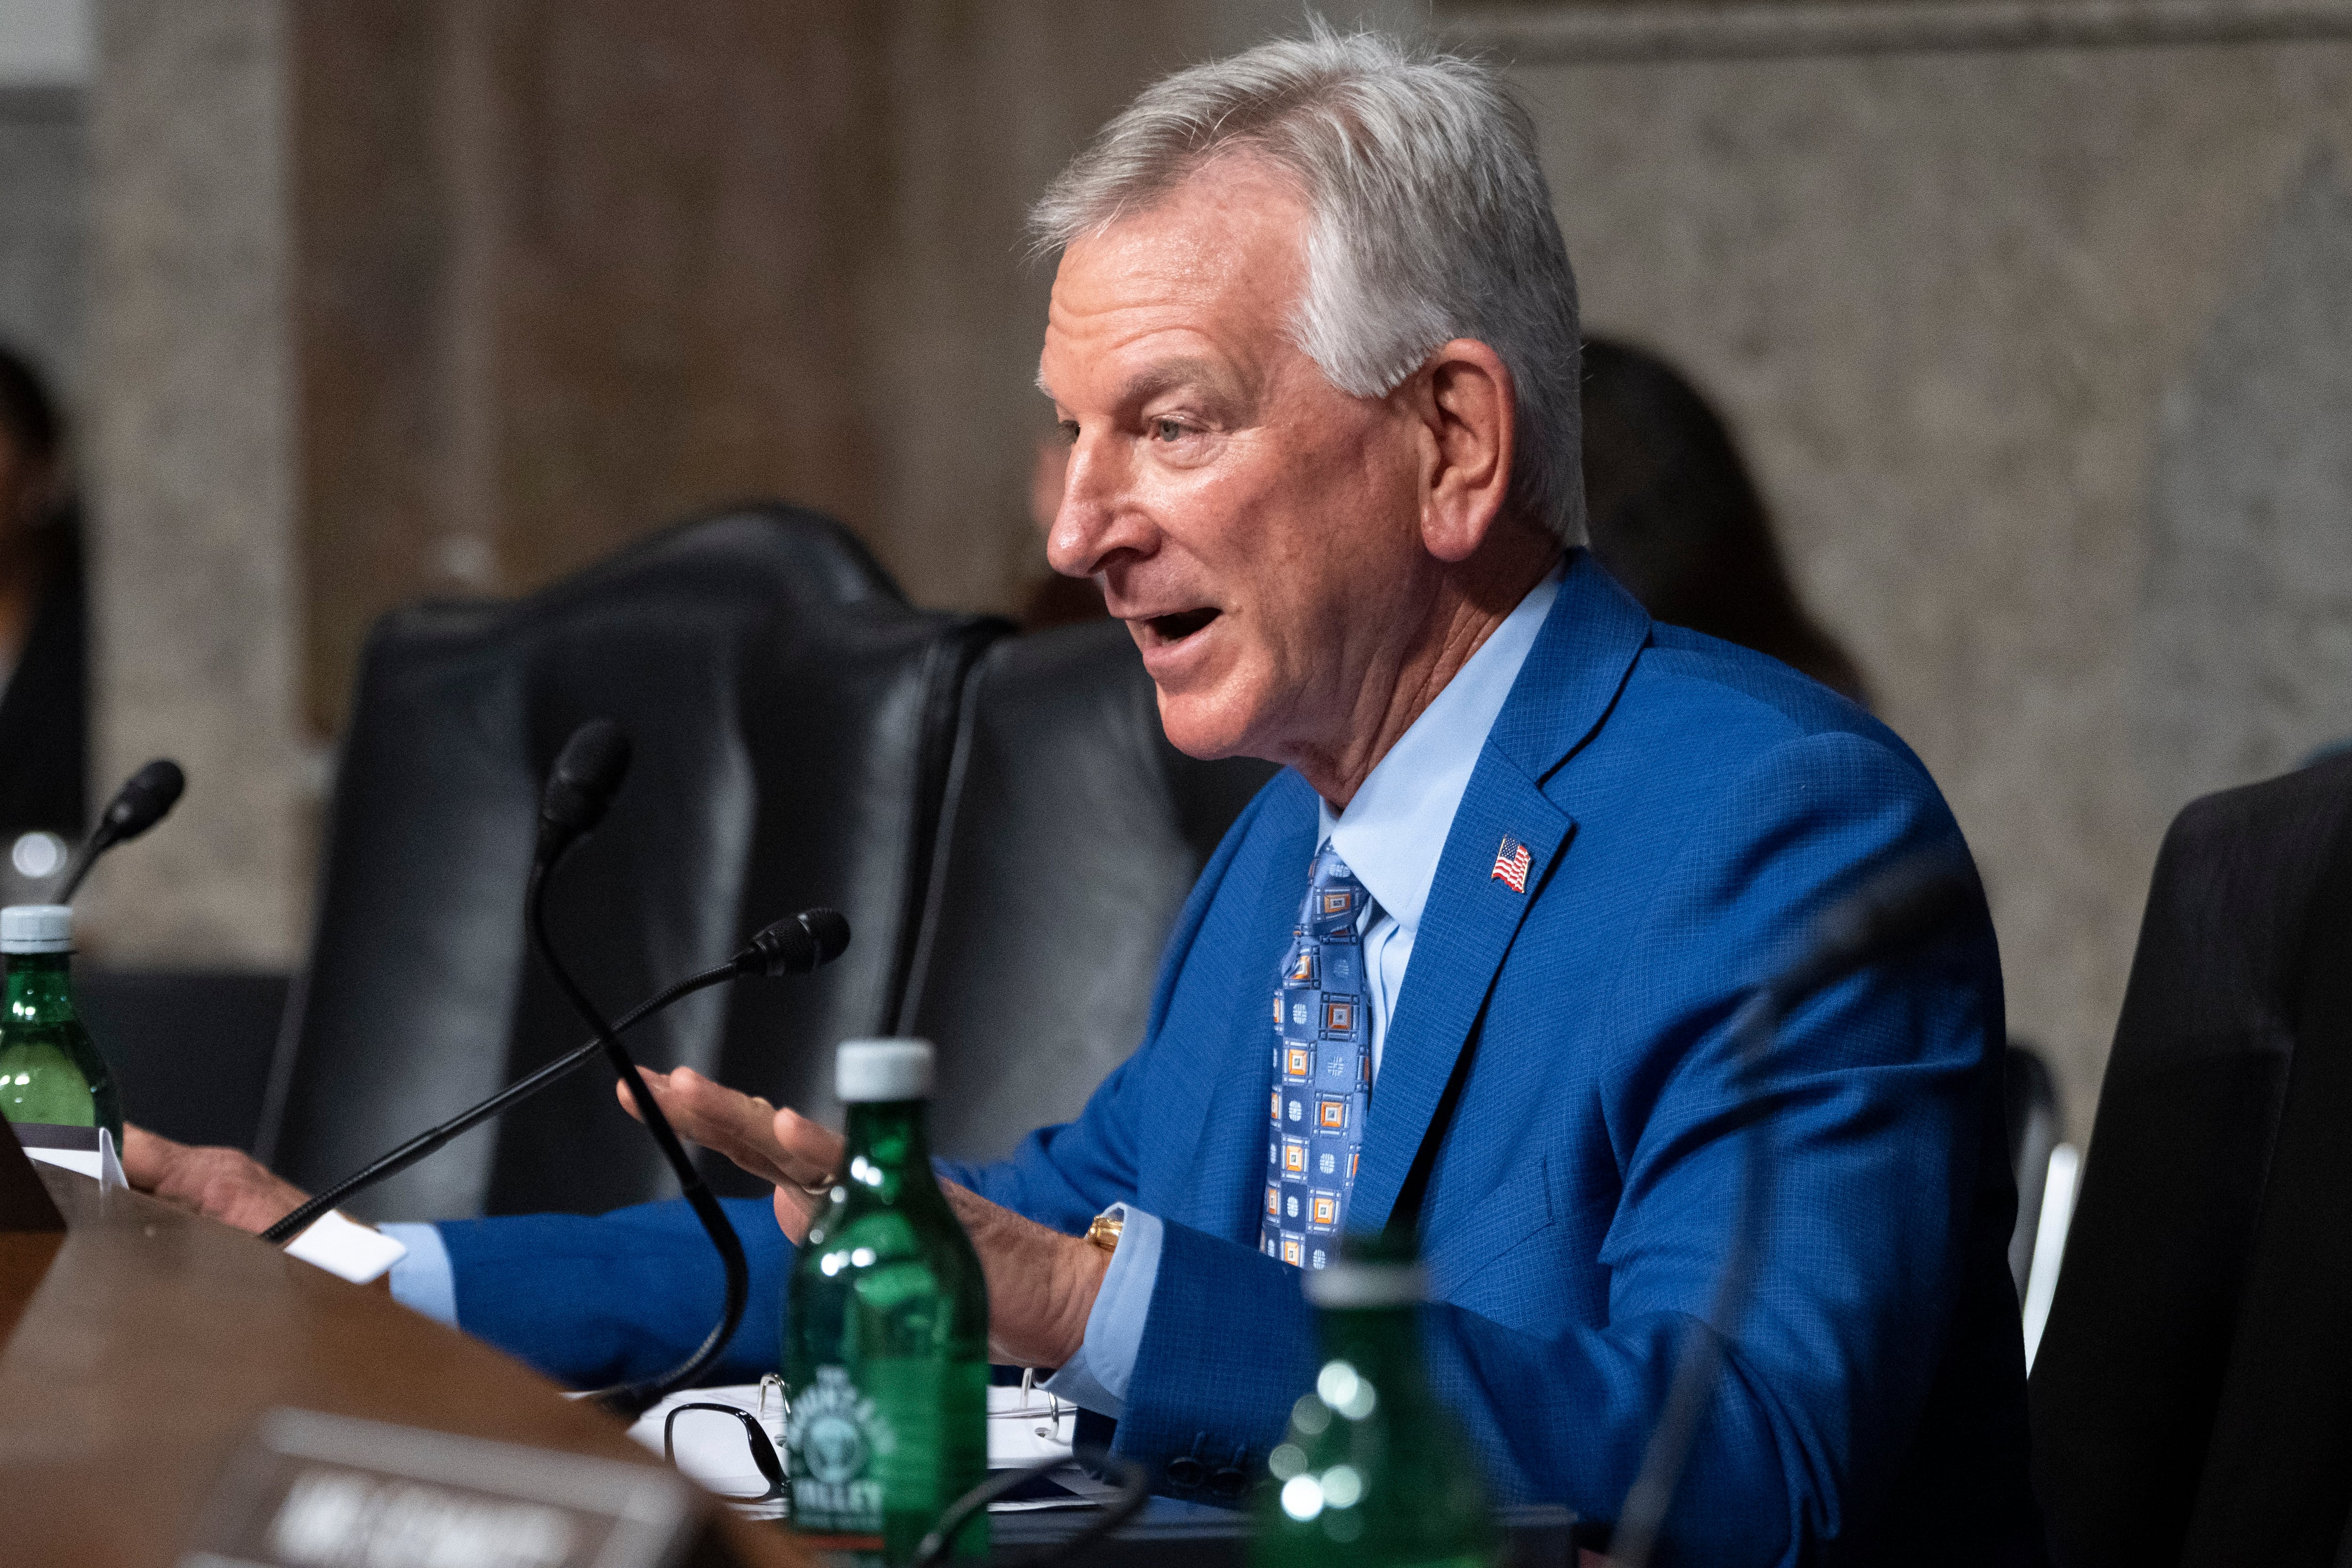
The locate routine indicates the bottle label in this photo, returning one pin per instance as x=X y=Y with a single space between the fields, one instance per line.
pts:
x=840 y=1440
x=875 y=1462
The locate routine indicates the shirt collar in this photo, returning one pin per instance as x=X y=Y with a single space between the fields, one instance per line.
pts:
x=1393 y=832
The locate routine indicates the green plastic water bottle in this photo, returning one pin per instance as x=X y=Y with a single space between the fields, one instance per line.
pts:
x=1373 y=1471
x=886 y=1333
x=53 y=1083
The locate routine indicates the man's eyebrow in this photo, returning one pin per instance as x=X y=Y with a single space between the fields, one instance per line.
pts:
x=1164 y=376
x=1170 y=375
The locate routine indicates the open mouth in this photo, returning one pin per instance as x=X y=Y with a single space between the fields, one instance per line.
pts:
x=1182 y=625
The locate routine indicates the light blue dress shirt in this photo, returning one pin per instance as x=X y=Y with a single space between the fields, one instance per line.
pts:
x=422 y=1282
x=1391 y=835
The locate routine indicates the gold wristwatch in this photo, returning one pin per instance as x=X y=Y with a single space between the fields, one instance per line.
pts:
x=1105 y=1231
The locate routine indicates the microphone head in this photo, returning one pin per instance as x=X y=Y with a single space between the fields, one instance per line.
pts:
x=797 y=945
x=586 y=776
x=144 y=800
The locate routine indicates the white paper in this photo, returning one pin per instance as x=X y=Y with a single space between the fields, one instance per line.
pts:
x=101 y=1165
x=1025 y=1426
x=81 y=1162
x=346 y=1248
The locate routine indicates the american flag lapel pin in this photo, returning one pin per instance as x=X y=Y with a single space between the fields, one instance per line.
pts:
x=1511 y=865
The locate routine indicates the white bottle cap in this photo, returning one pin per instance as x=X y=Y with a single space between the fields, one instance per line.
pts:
x=870 y=1071
x=37 y=928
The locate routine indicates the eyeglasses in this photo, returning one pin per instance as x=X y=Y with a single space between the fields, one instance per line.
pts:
x=755 y=1436
x=1055 y=1423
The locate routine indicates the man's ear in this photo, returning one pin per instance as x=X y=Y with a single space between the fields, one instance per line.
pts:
x=1468 y=409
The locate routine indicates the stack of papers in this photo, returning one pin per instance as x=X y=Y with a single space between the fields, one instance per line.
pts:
x=1026 y=1426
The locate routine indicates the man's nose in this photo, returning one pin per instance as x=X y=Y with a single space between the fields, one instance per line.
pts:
x=1097 y=519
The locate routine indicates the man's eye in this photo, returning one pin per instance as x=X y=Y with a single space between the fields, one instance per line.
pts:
x=1166 y=429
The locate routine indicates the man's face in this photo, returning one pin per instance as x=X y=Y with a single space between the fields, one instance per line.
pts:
x=1257 y=529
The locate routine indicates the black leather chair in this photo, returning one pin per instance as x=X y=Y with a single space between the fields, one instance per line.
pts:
x=1071 y=835
x=2192 y=1400
x=793 y=721
x=189 y=1048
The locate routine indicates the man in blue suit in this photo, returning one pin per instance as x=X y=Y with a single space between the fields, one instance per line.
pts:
x=1471 y=964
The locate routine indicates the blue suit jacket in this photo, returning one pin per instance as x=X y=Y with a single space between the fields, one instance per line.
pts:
x=1556 y=1089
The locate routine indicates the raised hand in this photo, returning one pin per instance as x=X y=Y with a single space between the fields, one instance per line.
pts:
x=798 y=1157
x=1041 y=1283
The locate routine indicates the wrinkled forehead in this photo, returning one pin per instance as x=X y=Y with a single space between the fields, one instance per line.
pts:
x=1210 y=271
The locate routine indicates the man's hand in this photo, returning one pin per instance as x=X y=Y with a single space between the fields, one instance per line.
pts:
x=782 y=1148
x=226 y=1185
x=1041 y=1283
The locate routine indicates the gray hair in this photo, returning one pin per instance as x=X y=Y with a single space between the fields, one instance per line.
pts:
x=1430 y=221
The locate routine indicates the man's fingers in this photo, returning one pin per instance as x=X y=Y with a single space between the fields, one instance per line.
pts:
x=723 y=1120
x=810 y=1152
x=734 y=1124
x=148 y=1158
x=226 y=1185
x=795 y=1212
x=782 y=1147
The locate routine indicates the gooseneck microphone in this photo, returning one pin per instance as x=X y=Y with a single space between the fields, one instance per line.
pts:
x=797 y=945
x=586 y=776
x=580 y=789
x=143 y=800
x=1894 y=913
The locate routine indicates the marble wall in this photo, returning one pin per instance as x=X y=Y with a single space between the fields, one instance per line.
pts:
x=43 y=180
x=2042 y=357
x=190 y=452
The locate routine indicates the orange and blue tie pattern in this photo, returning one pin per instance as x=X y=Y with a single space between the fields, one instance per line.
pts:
x=1322 y=1071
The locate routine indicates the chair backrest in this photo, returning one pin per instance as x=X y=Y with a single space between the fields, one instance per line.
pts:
x=190 y=1049
x=1071 y=834
x=793 y=720
x=2178 y=1297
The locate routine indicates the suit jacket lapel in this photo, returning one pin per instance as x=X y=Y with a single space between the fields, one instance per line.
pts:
x=1228 y=1171
x=1565 y=689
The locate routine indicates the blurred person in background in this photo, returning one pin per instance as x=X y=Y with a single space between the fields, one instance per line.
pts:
x=1676 y=518
x=44 y=656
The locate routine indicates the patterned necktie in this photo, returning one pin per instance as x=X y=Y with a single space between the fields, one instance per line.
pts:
x=1322 y=1071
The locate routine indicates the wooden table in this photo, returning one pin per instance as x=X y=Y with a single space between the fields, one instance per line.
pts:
x=137 y=1350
